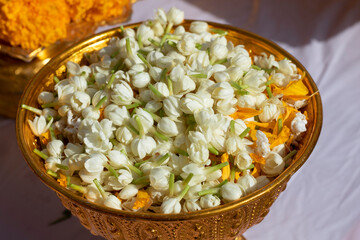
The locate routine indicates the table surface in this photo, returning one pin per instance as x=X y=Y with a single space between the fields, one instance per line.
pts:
x=321 y=200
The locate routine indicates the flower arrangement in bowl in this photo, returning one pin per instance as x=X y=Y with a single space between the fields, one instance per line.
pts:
x=169 y=128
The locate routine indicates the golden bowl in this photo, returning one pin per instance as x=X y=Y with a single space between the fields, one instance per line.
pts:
x=226 y=221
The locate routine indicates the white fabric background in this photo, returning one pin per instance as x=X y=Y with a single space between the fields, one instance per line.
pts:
x=321 y=200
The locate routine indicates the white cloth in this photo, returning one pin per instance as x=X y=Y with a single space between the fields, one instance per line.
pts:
x=321 y=199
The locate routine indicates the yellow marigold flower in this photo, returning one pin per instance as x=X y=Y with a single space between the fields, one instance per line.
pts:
x=62 y=180
x=142 y=200
x=225 y=170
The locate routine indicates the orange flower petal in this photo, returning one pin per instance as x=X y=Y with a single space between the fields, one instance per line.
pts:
x=283 y=137
x=244 y=113
x=225 y=170
x=256 y=171
x=257 y=159
x=142 y=200
x=62 y=180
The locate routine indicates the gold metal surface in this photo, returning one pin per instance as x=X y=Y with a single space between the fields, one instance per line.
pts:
x=227 y=221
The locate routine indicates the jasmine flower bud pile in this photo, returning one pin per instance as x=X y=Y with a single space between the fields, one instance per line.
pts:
x=169 y=120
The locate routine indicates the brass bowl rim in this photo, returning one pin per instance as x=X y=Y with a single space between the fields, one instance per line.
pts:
x=287 y=173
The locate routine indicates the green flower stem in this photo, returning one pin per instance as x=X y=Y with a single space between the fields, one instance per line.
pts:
x=188 y=179
x=232 y=174
x=251 y=167
x=212 y=169
x=232 y=126
x=143 y=59
x=199 y=75
x=280 y=125
x=111 y=80
x=268 y=90
x=143 y=52
x=184 y=192
x=56 y=79
x=181 y=152
x=111 y=170
x=208 y=191
x=100 y=188
x=170 y=86
x=78 y=188
x=160 y=136
x=52 y=173
x=245 y=132
x=40 y=154
x=118 y=66
x=153 y=42
x=52 y=133
x=220 y=61
x=132 y=129
x=91 y=80
x=171 y=184
x=68 y=179
x=141 y=180
x=269 y=82
x=290 y=155
x=32 y=109
x=135 y=170
x=218 y=31
x=128 y=47
x=122 y=28
x=50 y=105
x=163 y=74
x=100 y=103
x=138 y=164
x=162 y=159
x=198 y=46
x=155 y=91
x=139 y=40
x=168 y=28
x=213 y=150
x=256 y=118
x=113 y=141
x=62 y=166
x=153 y=115
x=221 y=184
x=131 y=106
x=172 y=44
x=255 y=67
x=140 y=126
x=114 y=54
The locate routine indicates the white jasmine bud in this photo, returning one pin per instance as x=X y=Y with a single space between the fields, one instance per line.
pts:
x=90 y=112
x=159 y=178
x=274 y=164
x=221 y=76
x=247 y=183
x=38 y=126
x=209 y=201
x=122 y=93
x=223 y=90
x=142 y=146
x=72 y=149
x=118 y=115
x=45 y=97
x=298 y=124
x=141 y=80
x=162 y=89
x=175 y=16
x=191 y=205
x=231 y=191
x=51 y=162
x=124 y=135
x=55 y=148
x=198 y=27
x=144 y=32
x=262 y=143
x=243 y=160
x=79 y=101
x=113 y=202
x=167 y=127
